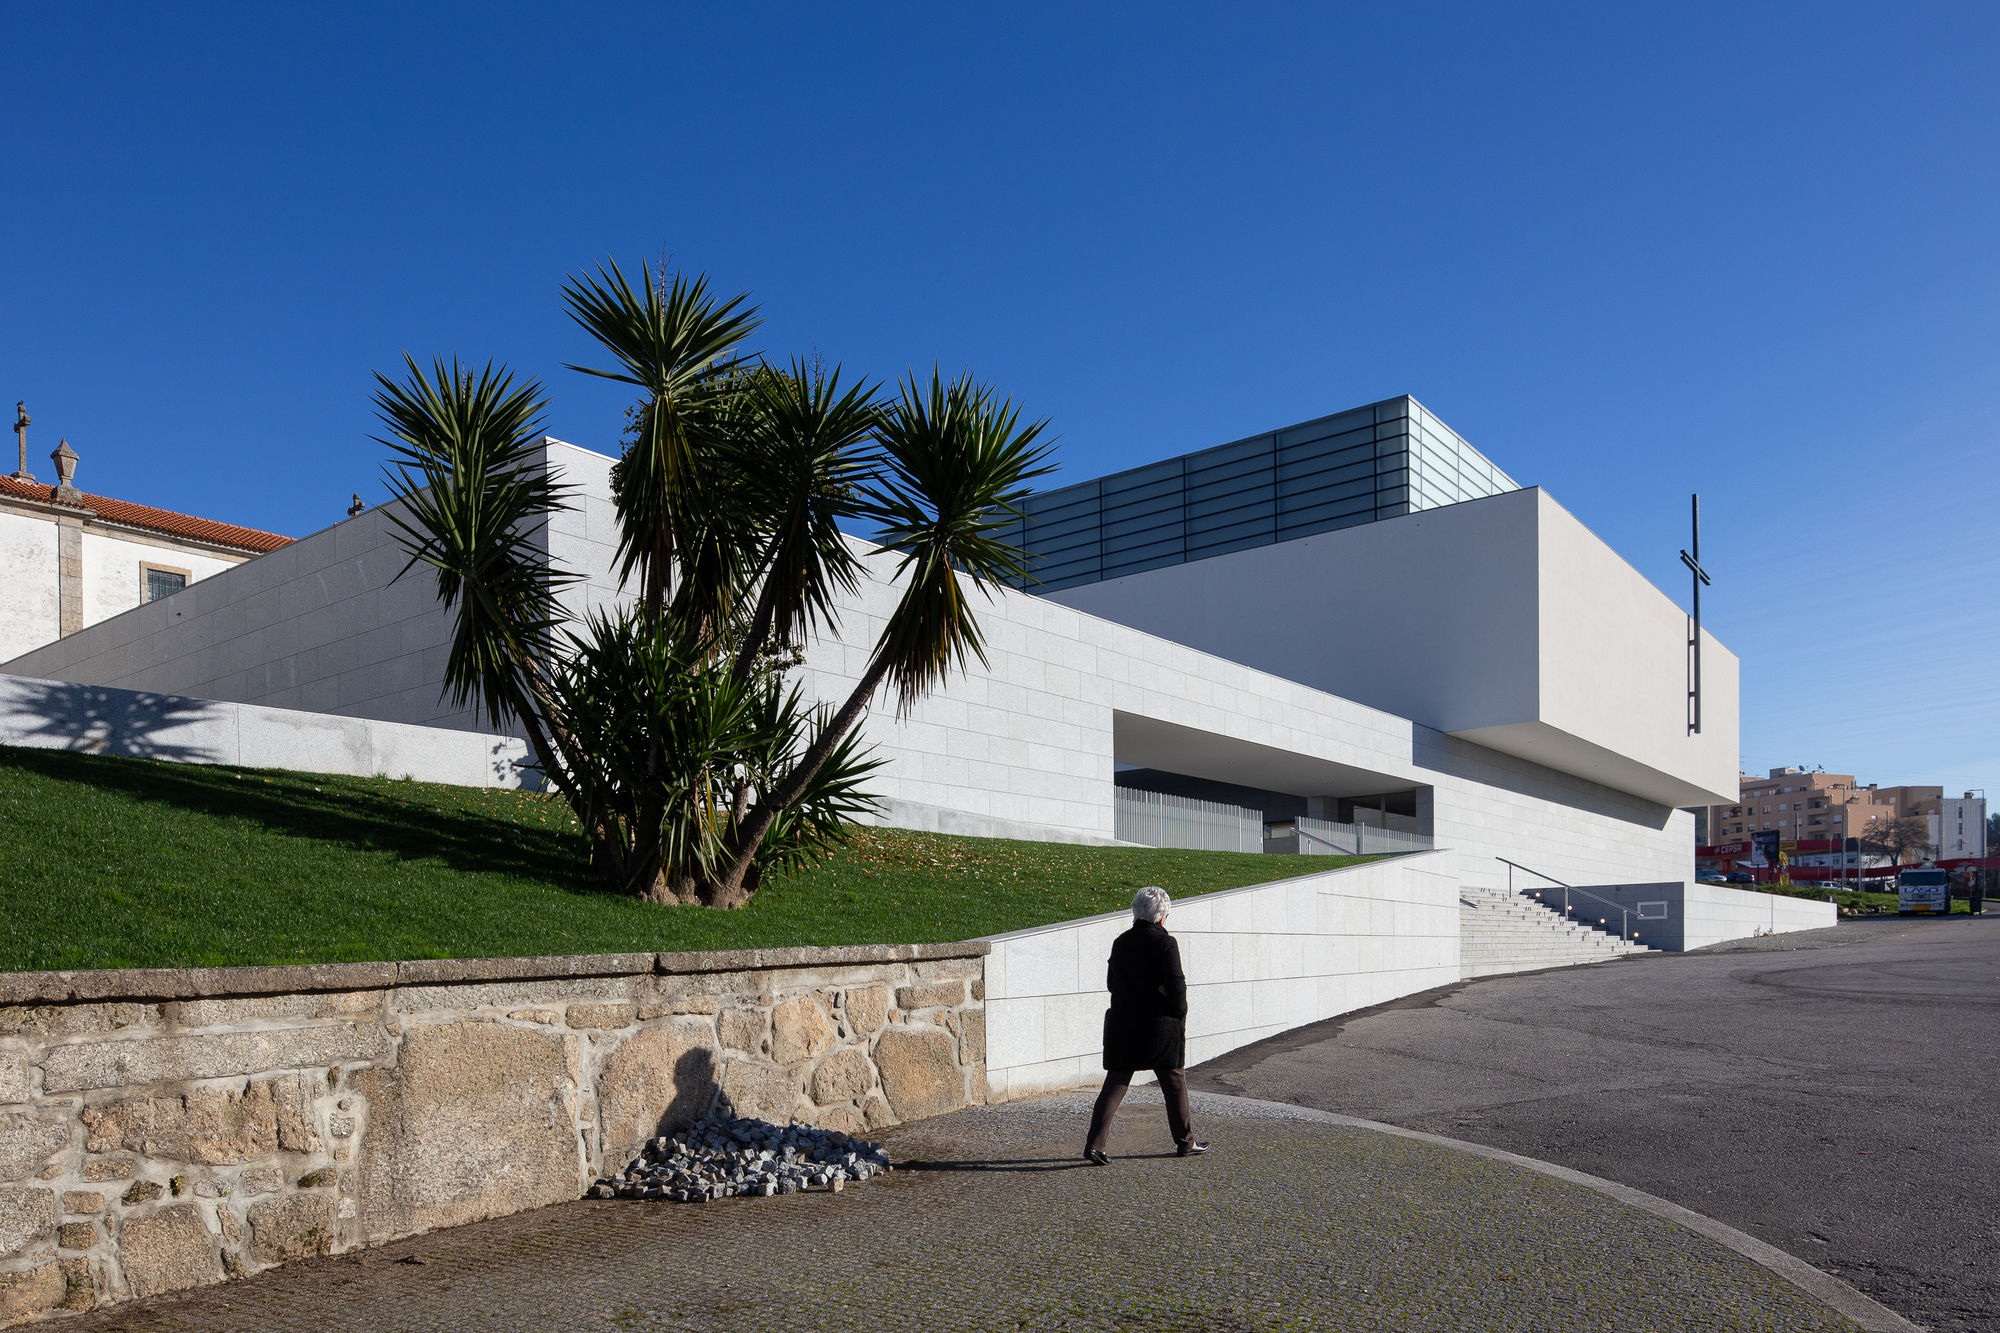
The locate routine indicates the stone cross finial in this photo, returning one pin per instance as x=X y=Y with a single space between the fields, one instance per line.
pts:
x=357 y=506
x=64 y=458
x=21 y=433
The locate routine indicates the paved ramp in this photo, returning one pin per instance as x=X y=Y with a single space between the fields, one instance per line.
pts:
x=1829 y=1092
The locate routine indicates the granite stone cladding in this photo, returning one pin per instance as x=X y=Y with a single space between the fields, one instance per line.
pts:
x=1259 y=960
x=1022 y=746
x=163 y=1129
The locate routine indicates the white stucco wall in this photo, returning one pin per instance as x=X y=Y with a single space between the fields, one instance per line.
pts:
x=1380 y=613
x=30 y=612
x=1033 y=738
x=28 y=608
x=1601 y=622
x=322 y=624
x=1259 y=961
x=111 y=580
x=316 y=625
x=584 y=538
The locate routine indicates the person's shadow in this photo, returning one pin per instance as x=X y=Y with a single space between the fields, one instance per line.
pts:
x=1016 y=1163
x=995 y=1164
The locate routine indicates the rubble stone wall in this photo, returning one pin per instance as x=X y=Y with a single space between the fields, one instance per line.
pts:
x=163 y=1129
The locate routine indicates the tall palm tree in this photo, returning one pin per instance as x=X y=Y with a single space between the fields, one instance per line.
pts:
x=463 y=444
x=659 y=723
x=957 y=460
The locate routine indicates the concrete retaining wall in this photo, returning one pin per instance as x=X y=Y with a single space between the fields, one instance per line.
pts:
x=1694 y=914
x=1716 y=913
x=164 y=1129
x=54 y=715
x=1259 y=961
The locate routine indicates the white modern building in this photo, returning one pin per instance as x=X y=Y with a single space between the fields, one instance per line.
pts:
x=1958 y=829
x=1424 y=639
x=70 y=559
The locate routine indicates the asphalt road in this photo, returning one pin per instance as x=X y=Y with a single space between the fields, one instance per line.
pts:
x=1831 y=1093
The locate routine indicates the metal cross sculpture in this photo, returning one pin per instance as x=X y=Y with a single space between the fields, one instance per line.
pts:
x=1693 y=562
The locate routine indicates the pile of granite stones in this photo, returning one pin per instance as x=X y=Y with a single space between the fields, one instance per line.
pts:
x=743 y=1158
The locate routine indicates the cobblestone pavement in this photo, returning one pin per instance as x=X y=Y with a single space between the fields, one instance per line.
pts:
x=993 y=1224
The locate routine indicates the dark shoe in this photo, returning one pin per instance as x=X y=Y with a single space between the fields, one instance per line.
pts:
x=1096 y=1157
x=1193 y=1149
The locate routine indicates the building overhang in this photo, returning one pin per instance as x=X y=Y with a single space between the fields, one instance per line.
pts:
x=1552 y=747
x=1502 y=620
x=1170 y=747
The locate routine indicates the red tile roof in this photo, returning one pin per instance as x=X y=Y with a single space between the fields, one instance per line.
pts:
x=158 y=520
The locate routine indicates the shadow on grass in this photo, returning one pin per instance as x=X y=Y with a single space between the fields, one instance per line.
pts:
x=399 y=818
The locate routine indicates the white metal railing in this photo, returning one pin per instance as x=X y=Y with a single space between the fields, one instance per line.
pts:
x=1323 y=837
x=1156 y=819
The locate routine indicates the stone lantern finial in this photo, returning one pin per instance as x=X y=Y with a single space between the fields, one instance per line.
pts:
x=65 y=461
x=21 y=433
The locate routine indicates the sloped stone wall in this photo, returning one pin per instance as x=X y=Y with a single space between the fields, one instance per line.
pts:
x=164 y=1129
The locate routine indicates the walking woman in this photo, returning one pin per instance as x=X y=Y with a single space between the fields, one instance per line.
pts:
x=1144 y=1028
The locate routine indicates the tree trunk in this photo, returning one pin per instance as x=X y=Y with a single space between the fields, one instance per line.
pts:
x=760 y=629
x=671 y=890
x=737 y=882
x=719 y=894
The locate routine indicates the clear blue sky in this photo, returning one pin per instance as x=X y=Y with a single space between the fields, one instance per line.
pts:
x=1741 y=249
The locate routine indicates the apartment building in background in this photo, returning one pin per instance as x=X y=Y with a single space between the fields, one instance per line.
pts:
x=1958 y=826
x=1804 y=806
x=1817 y=806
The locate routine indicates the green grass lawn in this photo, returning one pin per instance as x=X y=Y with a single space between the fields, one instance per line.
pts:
x=137 y=863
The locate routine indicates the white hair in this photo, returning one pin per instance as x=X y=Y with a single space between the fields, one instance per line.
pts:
x=1151 y=903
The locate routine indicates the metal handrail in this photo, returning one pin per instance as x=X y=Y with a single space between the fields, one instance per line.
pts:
x=1314 y=837
x=1624 y=912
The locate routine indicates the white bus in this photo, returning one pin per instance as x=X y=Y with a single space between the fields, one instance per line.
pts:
x=1927 y=891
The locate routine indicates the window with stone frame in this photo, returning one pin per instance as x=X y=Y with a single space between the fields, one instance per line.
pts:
x=157 y=581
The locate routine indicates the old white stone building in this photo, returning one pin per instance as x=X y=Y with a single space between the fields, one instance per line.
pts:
x=69 y=559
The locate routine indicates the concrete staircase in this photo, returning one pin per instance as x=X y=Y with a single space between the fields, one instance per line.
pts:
x=1502 y=932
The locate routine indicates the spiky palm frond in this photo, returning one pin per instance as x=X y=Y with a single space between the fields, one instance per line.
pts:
x=669 y=738
x=660 y=735
x=802 y=467
x=958 y=461
x=472 y=496
x=808 y=828
x=677 y=343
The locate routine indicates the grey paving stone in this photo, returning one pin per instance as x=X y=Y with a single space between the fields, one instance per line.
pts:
x=992 y=1223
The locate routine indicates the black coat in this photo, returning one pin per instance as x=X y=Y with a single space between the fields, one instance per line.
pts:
x=1143 y=1028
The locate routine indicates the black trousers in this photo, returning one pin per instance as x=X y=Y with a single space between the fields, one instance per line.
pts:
x=1173 y=1087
